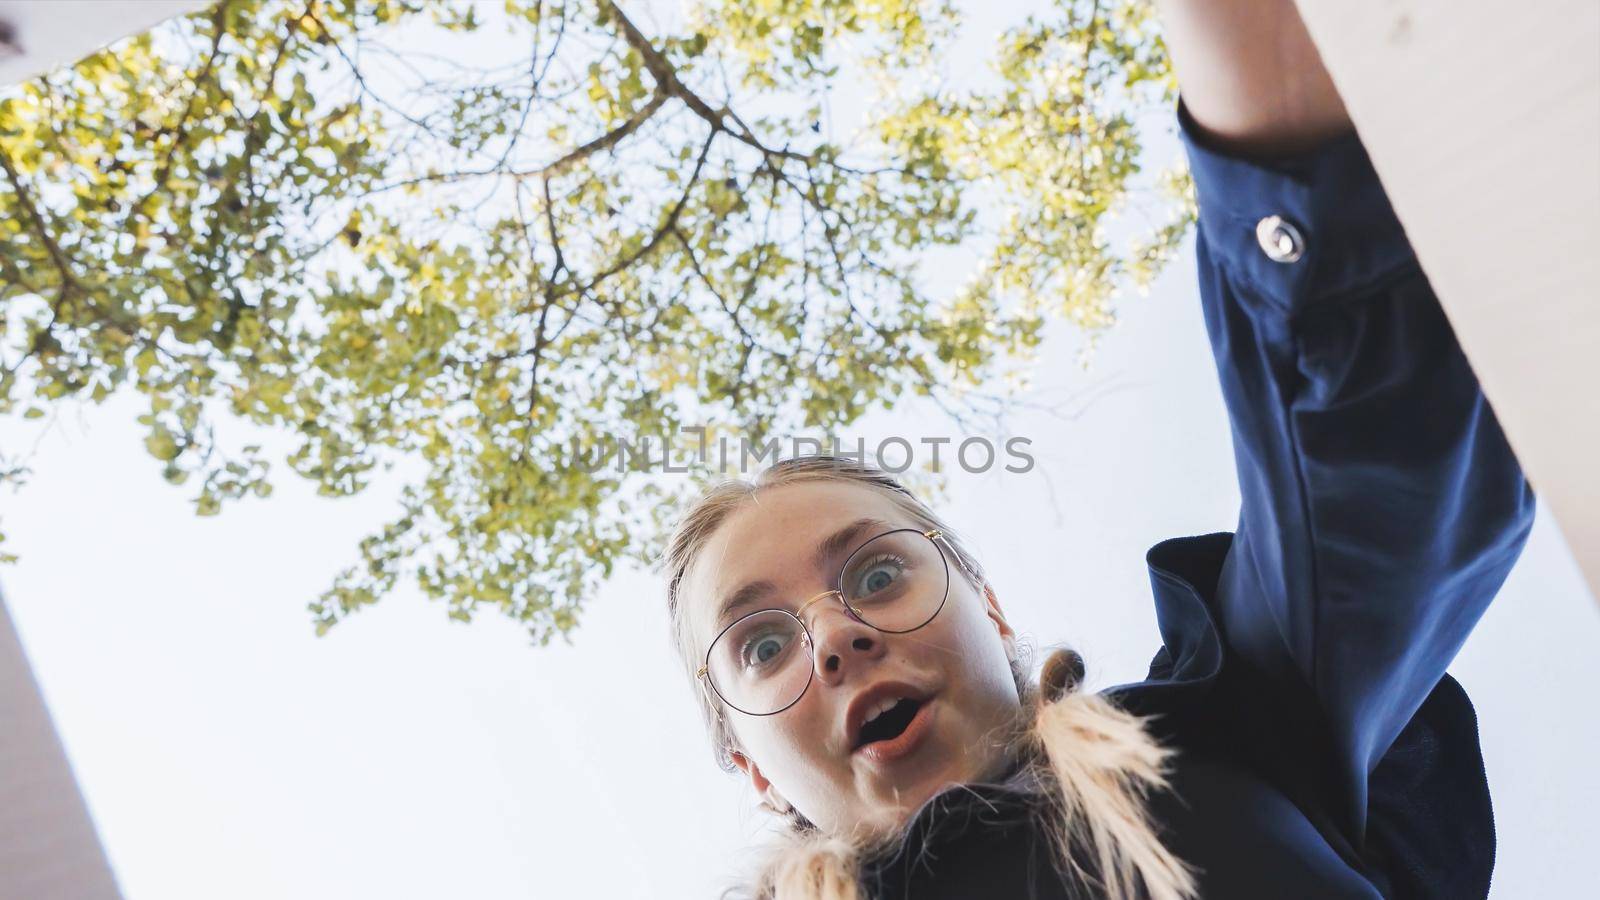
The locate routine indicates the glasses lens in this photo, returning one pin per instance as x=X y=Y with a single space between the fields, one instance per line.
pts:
x=896 y=582
x=761 y=664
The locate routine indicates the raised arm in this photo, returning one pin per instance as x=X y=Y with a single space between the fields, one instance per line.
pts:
x=1382 y=507
x=1251 y=77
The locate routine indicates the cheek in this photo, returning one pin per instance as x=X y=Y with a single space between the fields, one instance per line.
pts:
x=964 y=624
x=971 y=648
x=789 y=746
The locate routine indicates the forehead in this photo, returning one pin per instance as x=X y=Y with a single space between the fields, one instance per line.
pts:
x=772 y=536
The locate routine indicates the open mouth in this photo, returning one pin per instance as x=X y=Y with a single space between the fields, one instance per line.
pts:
x=889 y=722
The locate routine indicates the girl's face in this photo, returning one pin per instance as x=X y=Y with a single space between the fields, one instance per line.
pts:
x=955 y=669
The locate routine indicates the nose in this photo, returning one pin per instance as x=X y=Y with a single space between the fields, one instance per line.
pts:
x=842 y=642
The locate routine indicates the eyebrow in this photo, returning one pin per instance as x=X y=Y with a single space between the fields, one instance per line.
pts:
x=828 y=551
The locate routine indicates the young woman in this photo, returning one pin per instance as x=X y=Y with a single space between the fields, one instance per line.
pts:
x=1297 y=735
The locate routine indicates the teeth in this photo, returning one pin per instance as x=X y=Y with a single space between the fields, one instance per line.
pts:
x=882 y=708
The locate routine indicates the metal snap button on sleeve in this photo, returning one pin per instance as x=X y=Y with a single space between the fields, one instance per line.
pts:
x=1280 y=240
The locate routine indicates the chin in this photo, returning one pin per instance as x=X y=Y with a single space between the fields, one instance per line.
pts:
x=945 y=761
x=913 y=796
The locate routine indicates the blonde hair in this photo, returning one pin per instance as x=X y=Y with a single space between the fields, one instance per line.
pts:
x=1093 y=762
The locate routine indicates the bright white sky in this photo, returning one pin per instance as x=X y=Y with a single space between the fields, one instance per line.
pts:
x=226 y=751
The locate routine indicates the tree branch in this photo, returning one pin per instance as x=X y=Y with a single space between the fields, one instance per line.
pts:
x=666 y=224
x=604 y=142
x=69 y=281
x=666 y=78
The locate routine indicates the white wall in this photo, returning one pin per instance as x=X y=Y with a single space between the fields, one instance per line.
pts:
x=51 y=33
x=48 y=848
x=1483 y=120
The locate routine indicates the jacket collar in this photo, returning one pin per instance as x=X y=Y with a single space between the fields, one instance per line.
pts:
x=1184 y=573
x=1183 y=577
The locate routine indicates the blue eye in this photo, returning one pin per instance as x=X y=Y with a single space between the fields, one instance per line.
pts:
x=764 y=649
x=879 y=576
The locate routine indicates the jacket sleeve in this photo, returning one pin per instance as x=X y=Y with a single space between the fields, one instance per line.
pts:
x=1382 y=507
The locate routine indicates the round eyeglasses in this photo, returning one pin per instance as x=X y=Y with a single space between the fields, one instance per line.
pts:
x=896 y=582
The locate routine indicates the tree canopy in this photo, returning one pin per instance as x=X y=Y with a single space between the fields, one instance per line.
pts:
x=348 y=222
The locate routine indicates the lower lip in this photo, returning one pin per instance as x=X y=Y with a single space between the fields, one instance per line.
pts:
x=905 y=742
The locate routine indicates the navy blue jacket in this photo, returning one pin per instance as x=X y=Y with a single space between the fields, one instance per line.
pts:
x=1323 y=751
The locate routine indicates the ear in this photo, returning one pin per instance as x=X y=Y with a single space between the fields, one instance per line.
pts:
x=997 y=615
x=759 y=782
